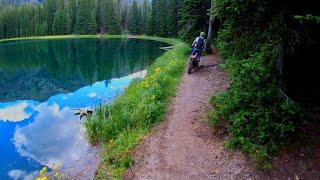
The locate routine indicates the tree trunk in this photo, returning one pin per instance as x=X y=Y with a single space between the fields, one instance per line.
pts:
x=210 y=29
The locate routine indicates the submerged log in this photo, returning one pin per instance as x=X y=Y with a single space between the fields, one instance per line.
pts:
x=167 y=48
x=83 y=113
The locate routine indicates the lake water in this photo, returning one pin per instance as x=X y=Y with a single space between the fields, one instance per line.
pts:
x=43 y=81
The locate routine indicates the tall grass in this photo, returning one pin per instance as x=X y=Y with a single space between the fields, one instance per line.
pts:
x=121 y=125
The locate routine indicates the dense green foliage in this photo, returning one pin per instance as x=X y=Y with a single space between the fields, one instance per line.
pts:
x=122 y=124
x=259 y=116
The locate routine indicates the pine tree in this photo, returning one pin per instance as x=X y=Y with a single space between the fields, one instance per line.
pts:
x=162 y=6
x=193 y=18
x=112 y=18
x=86 y=22
x=40 y=21
x=124 y=11
x=173 y=17
x=72 y=14
x=61 y=22
x=49 y=9
x=153 y=24
x=100 y=15
x=146 y=16
x=134 y=18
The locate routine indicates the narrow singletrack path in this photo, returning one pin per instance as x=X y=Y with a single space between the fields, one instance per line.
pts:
x=183 y=146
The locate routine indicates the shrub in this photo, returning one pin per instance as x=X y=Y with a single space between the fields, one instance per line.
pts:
x=259 y=117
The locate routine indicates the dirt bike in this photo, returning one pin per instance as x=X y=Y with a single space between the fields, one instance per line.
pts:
x=194 y=60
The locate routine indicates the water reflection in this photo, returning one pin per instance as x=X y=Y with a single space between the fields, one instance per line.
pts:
x=15 y=111
x=40 y=69
x=41 y=82
x=56 y=137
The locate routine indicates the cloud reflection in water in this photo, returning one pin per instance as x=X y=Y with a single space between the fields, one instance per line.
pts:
x=15 y=111
x=53 y=135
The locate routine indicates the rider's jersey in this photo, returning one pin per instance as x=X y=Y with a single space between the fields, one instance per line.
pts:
x=199 y=43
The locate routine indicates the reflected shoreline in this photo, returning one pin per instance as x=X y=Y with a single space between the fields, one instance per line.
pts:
x=40 y=69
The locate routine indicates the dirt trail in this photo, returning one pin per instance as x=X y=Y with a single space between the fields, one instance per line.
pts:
x=185 y=147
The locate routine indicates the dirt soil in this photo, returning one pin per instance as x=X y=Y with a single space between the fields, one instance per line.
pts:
x=185 y=147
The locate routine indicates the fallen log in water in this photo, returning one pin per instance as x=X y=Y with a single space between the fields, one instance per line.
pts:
x=83 y=112
x=167 y=48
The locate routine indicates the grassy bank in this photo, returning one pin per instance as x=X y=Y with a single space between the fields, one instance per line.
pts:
x=121 y=125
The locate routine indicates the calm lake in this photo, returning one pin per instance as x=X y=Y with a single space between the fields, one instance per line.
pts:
x=42 y=82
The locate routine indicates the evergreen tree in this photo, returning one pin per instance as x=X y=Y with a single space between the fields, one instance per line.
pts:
x=146 y=16
x=153 y=25
x=12 y=22
x=162 y=7
x=40 y=26
x=61 y=22
x=112 y=18
x=86 y=22
x=173 y=18
x=72 y=14
x=100 y=15
x=134 y=18
x=193 y=18
x=124 y=11
x=49 y=9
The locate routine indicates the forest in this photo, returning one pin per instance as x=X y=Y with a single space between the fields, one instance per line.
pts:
x=56 y=17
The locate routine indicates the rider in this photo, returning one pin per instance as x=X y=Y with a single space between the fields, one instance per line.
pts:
x=198 y=45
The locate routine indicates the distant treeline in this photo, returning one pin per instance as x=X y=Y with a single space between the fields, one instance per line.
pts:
x=55 y=17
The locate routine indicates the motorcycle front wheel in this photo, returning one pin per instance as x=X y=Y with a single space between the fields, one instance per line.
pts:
x=190 y=68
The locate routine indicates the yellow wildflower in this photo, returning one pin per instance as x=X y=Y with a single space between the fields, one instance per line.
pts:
x=158 y=69
x=43 y=170
x=145 y=84
x=56 y=174
x=42 y=178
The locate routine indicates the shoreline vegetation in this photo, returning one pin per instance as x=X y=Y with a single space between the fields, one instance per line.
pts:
x=120 y=125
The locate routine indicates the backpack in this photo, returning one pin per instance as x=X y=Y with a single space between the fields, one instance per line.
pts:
x=199 y=44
